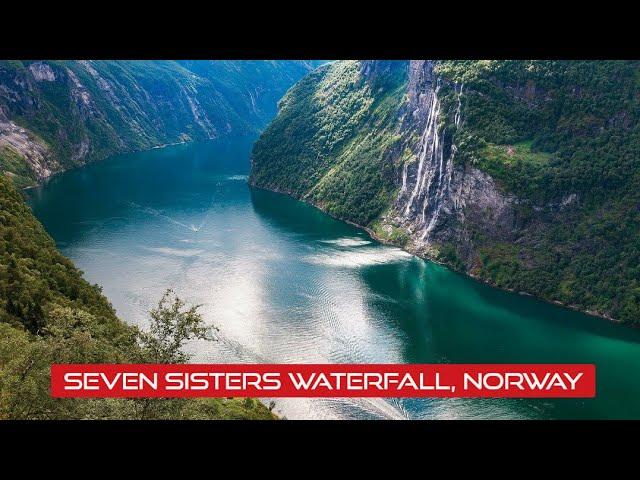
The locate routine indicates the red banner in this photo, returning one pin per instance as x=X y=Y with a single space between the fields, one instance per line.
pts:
x=323 y=380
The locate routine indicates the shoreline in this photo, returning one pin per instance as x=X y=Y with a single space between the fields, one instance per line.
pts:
x=44 y=180
x=475 y=278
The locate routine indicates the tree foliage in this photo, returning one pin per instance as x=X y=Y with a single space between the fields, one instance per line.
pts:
x=564 y=137
x=171 y=325
x=327 y=145
x=50 y=314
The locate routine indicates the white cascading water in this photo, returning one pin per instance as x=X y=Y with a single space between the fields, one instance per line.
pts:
x=456 y=120
x=433 y=176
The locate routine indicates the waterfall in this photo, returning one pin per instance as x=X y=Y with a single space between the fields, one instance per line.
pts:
x=430 y=186
x=428 y=148
x=404 y=179
x=456 y=120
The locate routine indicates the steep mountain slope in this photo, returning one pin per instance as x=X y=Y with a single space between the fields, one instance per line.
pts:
x=49 y=314
x=59 y=114
x=243 y=84
x=328 y=141
x=522 y=173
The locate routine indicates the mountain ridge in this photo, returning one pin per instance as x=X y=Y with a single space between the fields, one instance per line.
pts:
x=56 y=115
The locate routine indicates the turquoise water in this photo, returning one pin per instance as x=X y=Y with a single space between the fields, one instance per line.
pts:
x=286 y=283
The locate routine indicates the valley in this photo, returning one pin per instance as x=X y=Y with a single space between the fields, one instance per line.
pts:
x=343 y=212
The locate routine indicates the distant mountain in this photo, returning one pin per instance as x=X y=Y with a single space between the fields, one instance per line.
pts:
x=524 y=174
x=252 y=88
x=59 y=114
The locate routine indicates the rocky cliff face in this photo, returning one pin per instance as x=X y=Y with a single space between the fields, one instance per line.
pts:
x=59 y=114
x=438 y=199
x=22 y=151
x=521 y=173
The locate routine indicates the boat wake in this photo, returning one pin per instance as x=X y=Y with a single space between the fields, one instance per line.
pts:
x=361 y=257
x=347 y=242
x=157 y=213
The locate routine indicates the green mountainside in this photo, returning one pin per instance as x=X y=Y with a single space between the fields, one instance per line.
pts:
x=535 y=187
x=50 y=314
x=59 y=114
x=328 y=142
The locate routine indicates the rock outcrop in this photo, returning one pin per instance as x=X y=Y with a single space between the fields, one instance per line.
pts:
x=438 y=198
x=25 y=144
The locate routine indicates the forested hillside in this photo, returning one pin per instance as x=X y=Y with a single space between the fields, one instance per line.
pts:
x=58 y=114
x=329 y=140
x=49 y=314
x=525 y=174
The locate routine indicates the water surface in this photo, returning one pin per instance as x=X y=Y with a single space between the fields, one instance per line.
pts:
x=286 y=283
